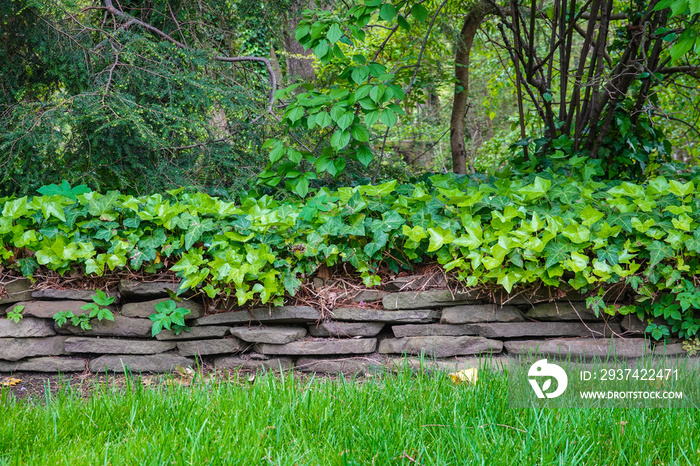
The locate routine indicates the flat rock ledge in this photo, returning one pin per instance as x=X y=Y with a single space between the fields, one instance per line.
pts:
x=481 y=313
x=440 y=346
x=27 y=327
x=562 y=311
x=144 y=291
x=120 y=327
x=546 y=329
x=47 y=309
x=116 y=346
x=164 y=362
x=584 y=348
x=358 y=366
x=427 y=299
x=72 y=295
x=284 y=314
x=432 y=330
x=320 y=347
x=195 y=333
x=44 y=364
x=13 y=291
x=346 y=329
x=236 y=362
x=273 y=335
x=355 y=314
x=145 y=309
x=497 y=362
x=14 y=349
x=207 y=347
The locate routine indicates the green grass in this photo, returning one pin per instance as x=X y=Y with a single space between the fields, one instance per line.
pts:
x=390 y=419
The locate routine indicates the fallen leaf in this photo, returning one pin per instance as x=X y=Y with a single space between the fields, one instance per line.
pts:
x=470 y=376
x=10 y=382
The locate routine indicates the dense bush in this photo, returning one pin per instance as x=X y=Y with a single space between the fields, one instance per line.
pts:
x=505 y=232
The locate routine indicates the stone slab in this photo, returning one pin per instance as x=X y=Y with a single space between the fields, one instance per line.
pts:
x=346 y=329
x=13 y=291
x=563 y=293
x=44 y=364
x=562 y=311
x=355 y=314
x=14 y=349
x=164 y=362
x=480 y=313
x=546 y=329
x=284 y=314
x=116 y=346
x=120 y=327
x=144 y=291
x=428 y=330
x=70 y=295
x=195 y=333
x=207 y=347
x=497 y=363
x=368 y=296
x=416 y=282
x=427 y=299
x=440 y=346
x=236 y=362
x=26 y=327
x=634 y=326
x=320 y=347
x=274 y=335
x=672 y=349
x=580 y=348
x=145 y=309
x=357 y=366
x=47 y=309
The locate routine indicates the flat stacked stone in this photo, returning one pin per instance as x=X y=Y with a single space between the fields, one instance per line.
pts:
x=346 y=329
x=44 y=364
x=354 y=314
x=285 y=314
x=320 y=347
x=116 y=346
x=145 y=309
x=209 y=347
x=14 y=349
x=562 y=311
x=237 y=362
x=427 y=299
x=580 y=348
x=163 y=362
x=273 y=335
x=440 y=346
x=25 y=328
x=481 y=313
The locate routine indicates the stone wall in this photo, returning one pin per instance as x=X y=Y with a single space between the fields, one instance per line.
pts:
x=379 y=330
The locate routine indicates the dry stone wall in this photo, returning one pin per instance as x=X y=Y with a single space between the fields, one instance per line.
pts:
x=380 y=330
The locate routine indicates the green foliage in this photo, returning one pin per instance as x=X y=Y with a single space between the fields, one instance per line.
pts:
x=170 y=317
x=505 y=231
x=96 y=309
x=15 y=314
x=362 y=99
x=88 y=99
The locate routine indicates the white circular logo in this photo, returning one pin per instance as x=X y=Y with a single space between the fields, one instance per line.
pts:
x=546 y=372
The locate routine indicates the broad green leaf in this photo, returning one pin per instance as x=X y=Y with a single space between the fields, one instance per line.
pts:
x=439 y=237
x=535 y=190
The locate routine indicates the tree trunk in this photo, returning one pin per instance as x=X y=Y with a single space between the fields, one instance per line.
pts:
x=460 y=104
x=299 y=61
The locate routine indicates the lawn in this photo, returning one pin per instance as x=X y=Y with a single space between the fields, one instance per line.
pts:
x=403 y=418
